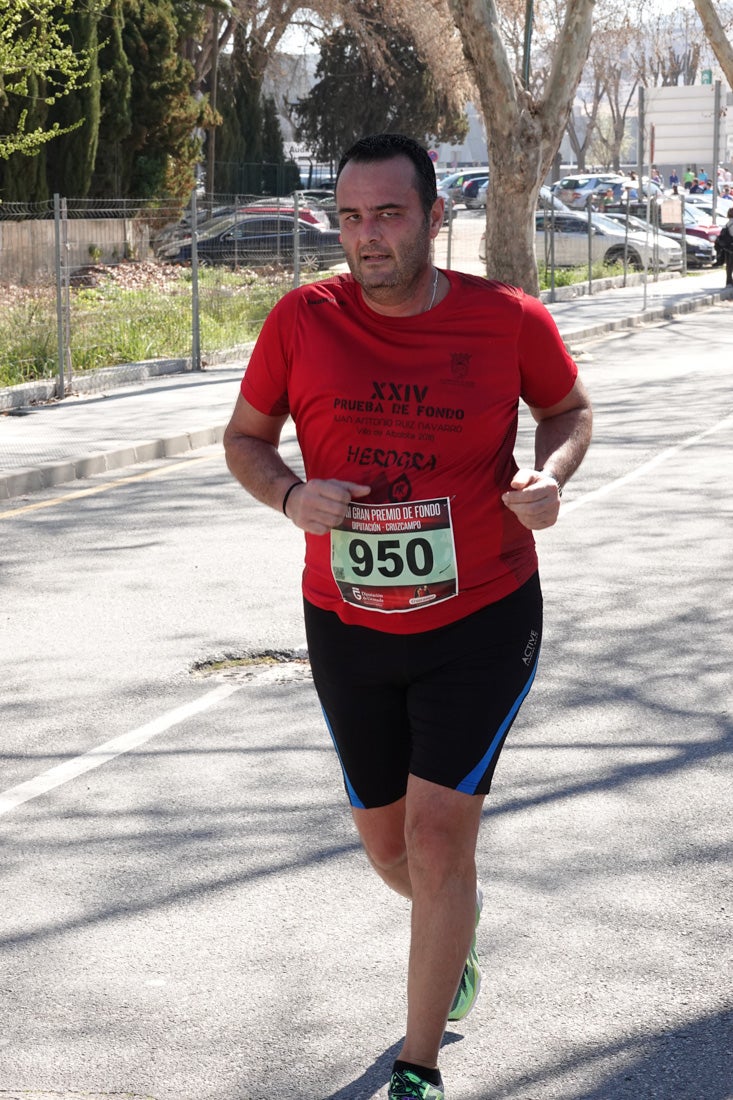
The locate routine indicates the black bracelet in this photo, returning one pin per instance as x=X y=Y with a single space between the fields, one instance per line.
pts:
x=288 y=492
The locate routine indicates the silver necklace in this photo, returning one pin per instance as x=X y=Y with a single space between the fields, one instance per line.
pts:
x=435 y=290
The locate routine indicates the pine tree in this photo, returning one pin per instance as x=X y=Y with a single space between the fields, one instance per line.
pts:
x=158 y=156
x=70 y=158
x=279 y=176
x=115 y=121
x=403 y=98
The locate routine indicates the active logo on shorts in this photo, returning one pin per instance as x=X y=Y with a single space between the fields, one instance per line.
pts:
x=531 y=647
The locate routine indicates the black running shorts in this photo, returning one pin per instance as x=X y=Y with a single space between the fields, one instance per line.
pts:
x=437 y=705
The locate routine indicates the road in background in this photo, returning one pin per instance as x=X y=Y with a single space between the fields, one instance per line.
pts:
x=193 y=919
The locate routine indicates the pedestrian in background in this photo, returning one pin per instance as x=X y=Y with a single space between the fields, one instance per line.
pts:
x=724 y=248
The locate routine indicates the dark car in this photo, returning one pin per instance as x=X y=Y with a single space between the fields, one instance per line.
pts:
x=697 y=231
x=255 y=240
x=700 y=253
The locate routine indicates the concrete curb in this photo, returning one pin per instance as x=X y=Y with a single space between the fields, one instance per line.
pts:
x=649 y=316
x=573 y=291
x=31 y=479
x=94 y=381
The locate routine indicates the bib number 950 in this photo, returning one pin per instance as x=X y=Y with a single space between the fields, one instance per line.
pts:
x=412 y=558
x=395 y=557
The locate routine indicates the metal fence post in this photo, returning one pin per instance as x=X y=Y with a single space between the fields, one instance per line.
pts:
x=296 y=240
x=683 y=231
x=589 y=204
x=59 y=301
x=626 y=234
x=195 y=316
x=65 y=365
x=552 y=250
x=449 y=243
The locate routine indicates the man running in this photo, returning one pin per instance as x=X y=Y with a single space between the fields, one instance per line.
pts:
x=422 y=601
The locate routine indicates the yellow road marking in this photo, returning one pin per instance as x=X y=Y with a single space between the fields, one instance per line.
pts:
x=79 y=493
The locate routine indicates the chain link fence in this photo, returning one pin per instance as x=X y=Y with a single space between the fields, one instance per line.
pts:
x=92 y=284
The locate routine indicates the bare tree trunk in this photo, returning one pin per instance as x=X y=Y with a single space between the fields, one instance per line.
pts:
x=716 y=36
x=522 y=134
x=576 y=144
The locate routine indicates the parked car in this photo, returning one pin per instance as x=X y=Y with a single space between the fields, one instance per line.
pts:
x=704 y=203
x=318 y=194
x=697 y=223
x=255 y=240
x=178 y=231
x=609 y=242
x=208 y=219
x=574 y=191
x=451 y=187
x=547 y=198
x=700 y=252
x=307 y=212
x=474 y=192
x=319 y=199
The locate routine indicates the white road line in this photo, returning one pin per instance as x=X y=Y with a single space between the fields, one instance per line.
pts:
x=102 y=754
x=670 y=452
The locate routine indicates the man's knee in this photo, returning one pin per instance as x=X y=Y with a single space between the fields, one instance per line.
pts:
x=382 y=834
x=440 y=843
x=385 y=853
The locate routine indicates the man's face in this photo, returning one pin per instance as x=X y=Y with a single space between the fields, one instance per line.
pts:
x=384 y=231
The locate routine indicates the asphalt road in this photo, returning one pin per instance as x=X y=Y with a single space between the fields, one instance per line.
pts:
x=186 y=914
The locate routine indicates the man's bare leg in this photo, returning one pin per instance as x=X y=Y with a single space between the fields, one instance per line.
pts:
x=434 y=864
x=382 y=833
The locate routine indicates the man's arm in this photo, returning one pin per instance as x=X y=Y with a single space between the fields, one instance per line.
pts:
x=251 y=442
x=562 y=437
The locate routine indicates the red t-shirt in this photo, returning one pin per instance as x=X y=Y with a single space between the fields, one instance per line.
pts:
x=424 y=410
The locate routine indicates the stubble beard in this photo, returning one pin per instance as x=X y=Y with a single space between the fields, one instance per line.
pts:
x=394 y=286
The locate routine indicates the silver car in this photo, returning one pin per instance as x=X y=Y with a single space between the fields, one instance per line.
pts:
x=609 y=243
x=451 y=187
x=567 y=232
x=575 y=191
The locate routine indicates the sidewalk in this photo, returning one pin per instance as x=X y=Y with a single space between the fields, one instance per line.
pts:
x=46 y=445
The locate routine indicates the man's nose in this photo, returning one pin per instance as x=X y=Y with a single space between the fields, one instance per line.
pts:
x=372 y=228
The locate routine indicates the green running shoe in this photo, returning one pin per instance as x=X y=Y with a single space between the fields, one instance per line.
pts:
x=470 y=985
x=406 y=1085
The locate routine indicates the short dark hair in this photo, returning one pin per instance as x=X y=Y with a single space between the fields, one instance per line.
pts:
x=387 y=146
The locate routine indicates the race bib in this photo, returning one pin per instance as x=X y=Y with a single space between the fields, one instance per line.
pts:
x=395 y=557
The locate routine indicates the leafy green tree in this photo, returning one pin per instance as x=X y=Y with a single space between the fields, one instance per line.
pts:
x=354 y=96
x=39 y=68
x=23 y=174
